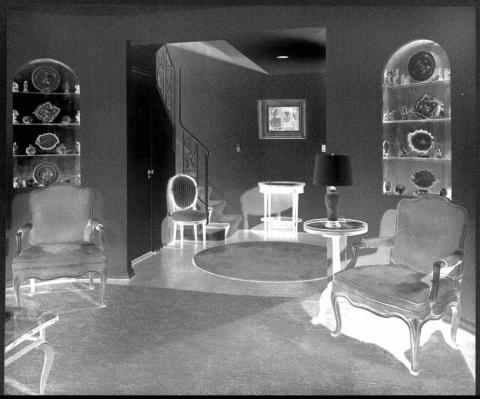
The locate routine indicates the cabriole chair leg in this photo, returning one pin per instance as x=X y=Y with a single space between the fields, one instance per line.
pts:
x=415 y=327
x=338 y=317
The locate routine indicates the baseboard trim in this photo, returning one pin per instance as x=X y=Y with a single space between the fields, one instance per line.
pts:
x=142 y=258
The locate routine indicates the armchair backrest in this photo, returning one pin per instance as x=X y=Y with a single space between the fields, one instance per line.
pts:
x=59 y=213
x=429 y=228
x=182 y=193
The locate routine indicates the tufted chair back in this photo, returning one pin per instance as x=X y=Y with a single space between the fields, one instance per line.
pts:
x=60 y=213
x=429 y=228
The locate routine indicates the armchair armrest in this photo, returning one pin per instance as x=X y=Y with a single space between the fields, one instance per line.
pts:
x=363 y=243
x=93 y=226
x=448 y=263
x=23 y=237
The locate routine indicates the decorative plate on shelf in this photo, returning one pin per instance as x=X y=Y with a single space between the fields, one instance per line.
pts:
x=423 y=178
x=421 y=66
x=45 y=78
x=47 y=141
x=420 y=141
x=46 y=112
x=46 y=173
x=429 y=107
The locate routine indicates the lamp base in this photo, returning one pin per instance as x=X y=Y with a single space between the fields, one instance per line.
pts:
x=333 y=224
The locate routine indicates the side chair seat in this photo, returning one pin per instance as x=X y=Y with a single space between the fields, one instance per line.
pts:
x=392 y=287
x=189 y=215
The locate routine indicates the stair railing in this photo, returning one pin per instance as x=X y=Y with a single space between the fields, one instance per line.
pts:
x=195 y=154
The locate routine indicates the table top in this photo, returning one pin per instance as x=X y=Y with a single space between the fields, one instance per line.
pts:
x=281 y=186
x=22 y=322
x=348 y=227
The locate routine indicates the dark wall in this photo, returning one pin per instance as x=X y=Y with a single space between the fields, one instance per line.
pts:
x=359 y=42
x=219 y=106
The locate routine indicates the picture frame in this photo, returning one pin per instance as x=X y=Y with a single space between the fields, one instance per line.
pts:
x=281 y=119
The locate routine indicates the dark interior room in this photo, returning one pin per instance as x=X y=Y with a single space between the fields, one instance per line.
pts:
x=177 y=97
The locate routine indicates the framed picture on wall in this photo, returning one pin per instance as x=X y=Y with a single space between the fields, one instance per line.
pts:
x=281 y=119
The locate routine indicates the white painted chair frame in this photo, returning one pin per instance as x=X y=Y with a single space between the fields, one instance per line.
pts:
x=173 y=207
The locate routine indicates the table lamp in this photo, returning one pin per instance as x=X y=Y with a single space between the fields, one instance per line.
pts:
x=332 y=170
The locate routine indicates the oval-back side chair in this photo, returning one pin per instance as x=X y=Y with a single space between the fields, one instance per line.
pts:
x=182 y=195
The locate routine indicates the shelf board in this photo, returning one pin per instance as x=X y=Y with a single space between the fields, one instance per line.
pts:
x=46 y=94
x=421 y=159
x=418 y=120
x=416 y=84
x=46 y=155
x=46 y=124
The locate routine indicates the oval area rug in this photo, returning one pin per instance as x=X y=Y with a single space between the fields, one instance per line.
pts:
x=265 y=261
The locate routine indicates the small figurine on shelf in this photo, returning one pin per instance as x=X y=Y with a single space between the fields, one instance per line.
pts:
x=446 y=74
x=15 y=87
x=30 y=150
x=386 y=148
x=443 y=192
x=61 y=149
x=77 y=88
x=439 y=112
x=77 y=117
x=27 y=119
x=404 y=112
x=403 y=153
x=440 y=73
x=15 y=148
x=387 y=186
x=25 y=86
x=77 y=146
x=66 y=88
x=399 y=189
x=389 y=116
x=66 y=120
x=402 y=79
x=24 y=182
x=78 y=181
x=16 y=182
x=396 y=77
x=31 y=182
x=438 y=153
x=15 y=115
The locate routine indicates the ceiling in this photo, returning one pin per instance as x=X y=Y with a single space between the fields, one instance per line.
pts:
x=305 y=48
x=258 y=50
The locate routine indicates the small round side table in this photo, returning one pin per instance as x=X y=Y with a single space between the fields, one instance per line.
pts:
x=348 y=227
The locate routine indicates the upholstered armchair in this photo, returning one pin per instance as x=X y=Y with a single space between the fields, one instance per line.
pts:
x=62 y=238
x=182 y=196
x=423 y=278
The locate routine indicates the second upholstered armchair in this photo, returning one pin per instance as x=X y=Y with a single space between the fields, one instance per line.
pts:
x=423 y=278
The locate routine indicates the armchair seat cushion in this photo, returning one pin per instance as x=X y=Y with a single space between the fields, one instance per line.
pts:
x=392 y=286
x=59 y=254
x=188 y=215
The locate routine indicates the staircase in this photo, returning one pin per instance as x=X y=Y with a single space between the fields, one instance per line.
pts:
x=192 y=158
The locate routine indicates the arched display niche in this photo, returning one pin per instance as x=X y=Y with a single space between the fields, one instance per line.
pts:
x=416 y=134
x=46 y=124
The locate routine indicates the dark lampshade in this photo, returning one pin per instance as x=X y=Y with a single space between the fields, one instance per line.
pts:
x=332 y=170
